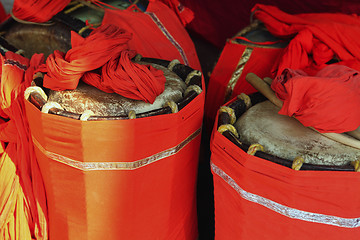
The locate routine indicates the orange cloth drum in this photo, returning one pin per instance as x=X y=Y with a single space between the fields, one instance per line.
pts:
x=126 y=175
x=124 y=178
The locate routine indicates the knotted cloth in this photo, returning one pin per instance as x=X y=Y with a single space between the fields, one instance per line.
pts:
x=23 y=210
x=328 y=101
x=103 y=60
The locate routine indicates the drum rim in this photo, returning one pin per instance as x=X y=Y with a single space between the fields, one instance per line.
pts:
x=186 y=73
x=239 y=107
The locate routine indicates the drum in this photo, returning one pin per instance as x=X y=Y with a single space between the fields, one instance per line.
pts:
x=283 y=139
x=270 y=171
x=78 y=16
x=156 y=30
x=98 y=168
x=287 y=138
x=115 y=167
x=182 y=85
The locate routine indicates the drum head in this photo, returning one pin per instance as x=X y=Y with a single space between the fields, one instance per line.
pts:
x=285 y=137
x=86 y=97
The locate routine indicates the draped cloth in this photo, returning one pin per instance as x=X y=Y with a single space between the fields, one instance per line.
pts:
x=23 y=213
x=317 y=38
x=184 y=14
x=103 y=60
x=157 y=33
x=328 y=101
x=37 y=10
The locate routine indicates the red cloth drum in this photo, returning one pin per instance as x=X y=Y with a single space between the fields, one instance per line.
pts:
x=131 y=175
x=259 y=192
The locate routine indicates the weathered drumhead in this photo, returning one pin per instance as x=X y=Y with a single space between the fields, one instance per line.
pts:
x=86 y=97
x=287 y=138
x=34 y=38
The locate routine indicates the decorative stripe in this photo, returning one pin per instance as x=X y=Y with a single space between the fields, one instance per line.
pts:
x=91 y=166
x=237 y=73
x=285 y=210
x=15 y=63
x=168 y=35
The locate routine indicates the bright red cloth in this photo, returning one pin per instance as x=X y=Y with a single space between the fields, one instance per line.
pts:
x=247 y=190
x=260 y=62
x=106 y=47
x=328 y=101
x=23 y=209
x=157 y=33
x=3 y=14
x=38 y=10
x=318 y=38
x=216 y=21
x=184 y=14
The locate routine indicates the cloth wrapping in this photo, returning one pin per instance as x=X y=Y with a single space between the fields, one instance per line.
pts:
x=235 y=62
x=23 y=209
x=328 y=101
x=37 y=10
x=317 y=38
x=258 y=199
x=122 y=179
x=157 y=33
x=103 y=60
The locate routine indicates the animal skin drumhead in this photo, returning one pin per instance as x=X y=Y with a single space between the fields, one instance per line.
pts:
x=285 y=137
x=86 y=97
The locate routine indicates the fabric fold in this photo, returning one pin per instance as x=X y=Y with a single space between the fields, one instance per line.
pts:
x=105 y=52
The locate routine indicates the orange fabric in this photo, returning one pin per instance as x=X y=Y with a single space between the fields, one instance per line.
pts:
x=105 y=48
x=327 y=101
x=23 y=210
x=155 y=201
x=319 y=37
x=322 y=192
x=157 y=33
x=260 y=63
x=38 y=10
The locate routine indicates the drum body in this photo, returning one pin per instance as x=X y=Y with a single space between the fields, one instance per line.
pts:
x=259 y=196
x=120 y=175
x=254 y=50
x=120 y=178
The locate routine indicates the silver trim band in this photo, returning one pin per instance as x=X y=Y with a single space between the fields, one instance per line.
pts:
x=285 y=210
x=92 y=166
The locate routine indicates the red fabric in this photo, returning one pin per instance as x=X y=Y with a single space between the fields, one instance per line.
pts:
x=38 y=10
x=157 y=33
x=327 y=101
x=319 y=38
x=184 y=14
x=106 y=48
x=322 y=192
x=23 y=208
x=155 y=201
x=217 y=21
x=260 y=62
x=3 y=14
